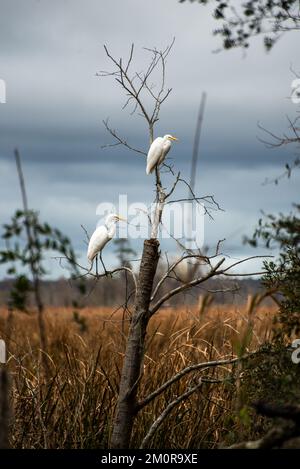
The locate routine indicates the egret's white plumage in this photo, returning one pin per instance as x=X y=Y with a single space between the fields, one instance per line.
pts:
x=158 y=151
x=102 y=235
x=295 y=97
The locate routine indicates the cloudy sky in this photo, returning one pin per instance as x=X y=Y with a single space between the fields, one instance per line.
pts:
x=50 y=52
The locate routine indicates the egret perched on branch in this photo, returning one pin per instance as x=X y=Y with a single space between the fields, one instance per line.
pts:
x=100 y=238
x=158 y=151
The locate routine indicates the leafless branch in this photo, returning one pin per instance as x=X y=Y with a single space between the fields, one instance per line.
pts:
x=188 y=370
x=174 y=186
x=119 y=140
x=98 y=276
x=156 y=424
x=86 y=233
x=214 y=271
x=280 y=141
x=173 y=266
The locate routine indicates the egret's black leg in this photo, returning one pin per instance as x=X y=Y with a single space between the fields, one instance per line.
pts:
x=97 y=265
x=106 y=271
x=103 y=263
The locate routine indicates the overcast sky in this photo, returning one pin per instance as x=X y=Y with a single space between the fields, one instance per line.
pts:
x=50 y=52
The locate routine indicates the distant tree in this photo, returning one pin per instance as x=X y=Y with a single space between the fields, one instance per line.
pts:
x=283 y=274
x=283 y=232
x=269 y=18
x=25 y=254
x=274 y=374
x=25 y=241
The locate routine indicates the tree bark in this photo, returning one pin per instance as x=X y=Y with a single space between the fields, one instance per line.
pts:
x=134 y=355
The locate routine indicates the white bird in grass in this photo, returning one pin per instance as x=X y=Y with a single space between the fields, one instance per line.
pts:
x=158 y=151
x=101 y=236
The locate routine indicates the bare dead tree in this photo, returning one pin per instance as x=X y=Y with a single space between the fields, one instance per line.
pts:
x=32 y=241
x=138 y=90
x=194 y=268
x=196 y=145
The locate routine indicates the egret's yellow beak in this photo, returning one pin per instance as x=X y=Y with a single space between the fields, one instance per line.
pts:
x=174 y=138
x=121 y=218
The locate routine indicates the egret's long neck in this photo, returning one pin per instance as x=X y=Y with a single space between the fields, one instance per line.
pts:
x=167 y=144
x=111 y=228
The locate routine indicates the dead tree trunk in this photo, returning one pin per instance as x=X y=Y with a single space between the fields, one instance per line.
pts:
x=133 y=360
x=134 y=85
x=33 y=241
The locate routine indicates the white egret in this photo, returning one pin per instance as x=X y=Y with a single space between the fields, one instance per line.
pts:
x=295 y=97
x=158 y=151
x=101 y=236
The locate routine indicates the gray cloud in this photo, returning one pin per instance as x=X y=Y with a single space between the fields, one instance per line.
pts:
x=49 y=54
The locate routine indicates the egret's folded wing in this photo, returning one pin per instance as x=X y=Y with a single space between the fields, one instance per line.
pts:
x=165 y=151
x=154 y=155
x=97 y=242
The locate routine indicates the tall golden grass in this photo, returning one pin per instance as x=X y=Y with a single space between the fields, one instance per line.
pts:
x=73 y=406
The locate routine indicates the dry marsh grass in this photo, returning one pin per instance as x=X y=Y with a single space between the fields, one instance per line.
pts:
x=73 y=407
